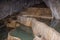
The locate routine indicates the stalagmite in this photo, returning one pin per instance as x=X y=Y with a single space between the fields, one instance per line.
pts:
x=46 y=32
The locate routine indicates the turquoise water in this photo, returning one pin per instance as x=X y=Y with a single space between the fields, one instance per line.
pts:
x=23 y=33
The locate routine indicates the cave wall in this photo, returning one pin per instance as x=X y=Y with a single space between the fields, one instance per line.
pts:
x=7 y=7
